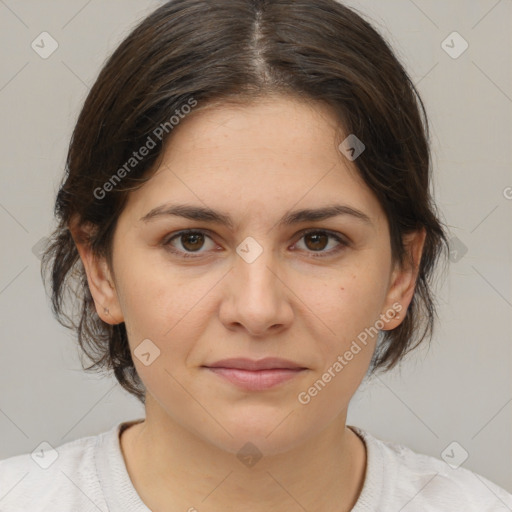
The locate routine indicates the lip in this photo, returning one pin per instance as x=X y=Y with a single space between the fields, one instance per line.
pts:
x=256 y=375
x=267 y=363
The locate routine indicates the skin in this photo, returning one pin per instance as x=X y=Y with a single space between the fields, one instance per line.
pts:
x=254 y=162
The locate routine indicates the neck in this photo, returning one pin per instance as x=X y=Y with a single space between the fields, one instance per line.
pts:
x=170 y=465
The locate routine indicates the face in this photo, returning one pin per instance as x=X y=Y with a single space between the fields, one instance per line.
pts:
x=294 y=301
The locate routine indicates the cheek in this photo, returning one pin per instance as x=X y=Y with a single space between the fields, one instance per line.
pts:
x=350 y=301
x=348 y=305
x=163 y=319
x=360 y=298
x=152 y=294
x=165 y=307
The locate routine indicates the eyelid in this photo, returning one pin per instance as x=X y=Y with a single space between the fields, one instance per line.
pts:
x=334 y=234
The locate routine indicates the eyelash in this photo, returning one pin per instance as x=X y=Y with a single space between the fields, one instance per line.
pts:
x=315 y=254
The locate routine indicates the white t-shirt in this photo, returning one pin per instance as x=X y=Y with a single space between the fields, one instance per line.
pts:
x=90 y=475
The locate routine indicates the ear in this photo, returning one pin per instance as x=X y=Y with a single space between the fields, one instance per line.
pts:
x=403 y=280
x=99 y=277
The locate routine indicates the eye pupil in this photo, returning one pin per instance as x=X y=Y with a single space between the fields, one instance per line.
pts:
x=195 y=237
x=316 y=237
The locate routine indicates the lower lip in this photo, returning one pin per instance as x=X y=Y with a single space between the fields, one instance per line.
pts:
x=256 y=380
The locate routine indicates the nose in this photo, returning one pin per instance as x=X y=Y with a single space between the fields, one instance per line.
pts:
x=256 y=298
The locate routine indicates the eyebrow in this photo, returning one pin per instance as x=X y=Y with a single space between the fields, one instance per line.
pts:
x=204 y=214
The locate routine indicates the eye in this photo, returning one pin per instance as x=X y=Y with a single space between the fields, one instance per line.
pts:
x=191 y=242
x=317 y=240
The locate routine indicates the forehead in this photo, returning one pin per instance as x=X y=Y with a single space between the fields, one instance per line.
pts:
x=266 y=155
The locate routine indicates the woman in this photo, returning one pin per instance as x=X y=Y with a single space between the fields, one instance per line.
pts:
x=247 y=226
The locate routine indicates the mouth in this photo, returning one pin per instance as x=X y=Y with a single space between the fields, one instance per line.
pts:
x=252 y=375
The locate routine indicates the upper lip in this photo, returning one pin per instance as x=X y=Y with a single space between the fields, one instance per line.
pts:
x=268 y=363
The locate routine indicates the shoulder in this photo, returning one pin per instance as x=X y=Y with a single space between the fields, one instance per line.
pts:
x=416 y=481
x=52 y=478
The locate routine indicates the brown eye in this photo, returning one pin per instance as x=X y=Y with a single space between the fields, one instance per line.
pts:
x=318 y=241
x=189 y=244
x=192 y=241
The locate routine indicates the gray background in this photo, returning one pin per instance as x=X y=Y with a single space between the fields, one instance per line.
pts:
x=458 y=390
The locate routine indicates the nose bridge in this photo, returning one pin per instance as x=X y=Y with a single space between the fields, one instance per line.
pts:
x=255 y=298
x=253 y=267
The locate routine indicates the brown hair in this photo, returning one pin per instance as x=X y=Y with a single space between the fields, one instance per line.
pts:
x=239 y=50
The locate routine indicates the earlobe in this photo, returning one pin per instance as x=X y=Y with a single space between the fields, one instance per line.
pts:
x=404 y=278
x=99 y=278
